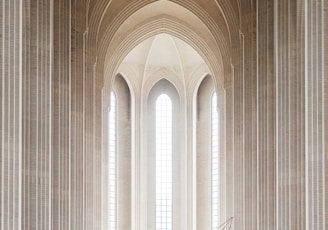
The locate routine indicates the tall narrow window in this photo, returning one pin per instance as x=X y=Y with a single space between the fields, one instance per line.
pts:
x=112 y=165
x=163 y=163
x=215 y=163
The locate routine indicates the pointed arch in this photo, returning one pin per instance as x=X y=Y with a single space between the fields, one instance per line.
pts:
x=210 y=174
x=160 y=76
x=163 y=89
x=118 y=163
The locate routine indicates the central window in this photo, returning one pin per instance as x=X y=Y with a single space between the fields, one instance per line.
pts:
x=163 y=163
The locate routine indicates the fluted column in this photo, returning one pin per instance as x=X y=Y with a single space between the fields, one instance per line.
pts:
x=61 y=110
x=237 y=129
x=11 y=100
x=251 y=119
x=290 y=178
x=37 y=114
x=228 y=133
x=78 y=10
x=265 y=117
x=300 y=94
x=98 y=127
x=315 y=37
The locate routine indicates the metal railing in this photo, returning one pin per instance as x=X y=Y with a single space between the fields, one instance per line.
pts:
x=226 y=224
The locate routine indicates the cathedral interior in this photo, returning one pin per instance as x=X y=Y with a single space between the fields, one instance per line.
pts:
x=164 y=114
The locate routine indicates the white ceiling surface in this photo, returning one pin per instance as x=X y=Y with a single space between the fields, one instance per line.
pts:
x=163 y=52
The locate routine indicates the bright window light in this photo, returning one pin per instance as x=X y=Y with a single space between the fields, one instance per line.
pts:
x=215 y=164
x=112 y=164
x=163 y=163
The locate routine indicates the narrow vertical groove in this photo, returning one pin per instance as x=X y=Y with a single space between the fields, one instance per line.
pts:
x=20 y=111
x=325 y=107
x=2 y=98
x=70 y=115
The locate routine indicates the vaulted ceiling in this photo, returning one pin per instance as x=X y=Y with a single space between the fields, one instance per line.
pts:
x=117 y=27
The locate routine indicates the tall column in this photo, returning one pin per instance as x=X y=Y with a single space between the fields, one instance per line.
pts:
x=77 y=116
x=265 y=117
x=300 y=94
x=11 y=100
x=228 y=133
x=138 y=171
x=123 y=96
x=238 y=153
x=290 y=155
x=97 y=173
x=315 y=38
x=37 y=114
x=251 y=123
x=203 y=156
x=61 y=110
x=190 y=166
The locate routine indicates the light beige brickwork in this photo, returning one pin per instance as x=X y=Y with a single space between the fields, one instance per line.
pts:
x=268 y=61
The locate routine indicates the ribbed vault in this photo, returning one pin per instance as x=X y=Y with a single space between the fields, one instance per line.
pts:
x=116 y=28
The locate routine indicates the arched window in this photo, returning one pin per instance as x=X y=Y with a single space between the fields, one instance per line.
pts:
x=118 y=158
x=214 y=163
x=210 y=172
x=112 y=183
x=163 y=163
